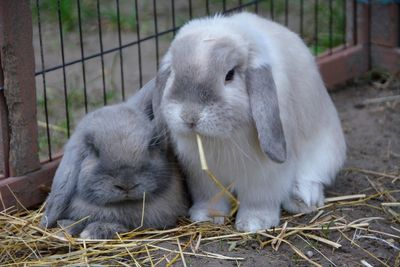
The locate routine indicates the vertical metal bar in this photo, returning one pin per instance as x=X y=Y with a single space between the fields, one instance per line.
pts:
x=286 y=12
x=46 y=113
x=156 y=31
x=101 y=53
x=271 y=9
x=138 y=45
x=173 y=16
x=316 y=27
x=302 y=18
x=344 y=22
x=398 y=23
x=369 y=14
x=330 y=26
x=82 y=56
x=63 y=67
x=208 y=7
x=355 y=24
x=190 y=9
x=121 y=60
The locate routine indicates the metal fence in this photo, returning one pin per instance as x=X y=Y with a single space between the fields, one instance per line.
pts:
x=90 y=53
x=143 y=23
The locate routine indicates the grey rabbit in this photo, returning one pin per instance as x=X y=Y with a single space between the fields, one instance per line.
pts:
x=115 y=155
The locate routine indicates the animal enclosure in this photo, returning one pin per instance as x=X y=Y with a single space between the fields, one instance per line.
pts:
x=86 y=54
x=60 y=59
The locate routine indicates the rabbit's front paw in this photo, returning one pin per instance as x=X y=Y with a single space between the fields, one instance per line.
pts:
x=71 y=227
x=201 y=212
x=97 y=230
x=202 y=215
x=254 y=220
x=307 y=196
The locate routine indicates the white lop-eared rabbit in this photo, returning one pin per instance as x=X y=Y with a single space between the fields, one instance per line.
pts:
x=251 y=89
x=115 y=156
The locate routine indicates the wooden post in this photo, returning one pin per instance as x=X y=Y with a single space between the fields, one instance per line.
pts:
x=385 y=36
x=4 y=140
x=17 y=62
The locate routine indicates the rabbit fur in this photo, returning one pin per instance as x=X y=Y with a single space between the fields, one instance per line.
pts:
x=252 y=90
x=113 y=157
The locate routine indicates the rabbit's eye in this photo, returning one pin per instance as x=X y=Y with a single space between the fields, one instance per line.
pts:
x=229 y=76
x=96 y=152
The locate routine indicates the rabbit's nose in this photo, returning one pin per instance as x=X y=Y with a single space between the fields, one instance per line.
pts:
x=190 y=120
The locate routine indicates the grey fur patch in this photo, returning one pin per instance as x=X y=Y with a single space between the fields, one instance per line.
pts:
x=184 y=89
x=265 y=110
x=195 y=83
x=226 y=54
x=222 y=53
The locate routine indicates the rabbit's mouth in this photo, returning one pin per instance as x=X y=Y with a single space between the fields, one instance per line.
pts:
x=207 y=132
x=131 y=197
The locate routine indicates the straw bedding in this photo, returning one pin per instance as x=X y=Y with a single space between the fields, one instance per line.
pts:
x=24 y=243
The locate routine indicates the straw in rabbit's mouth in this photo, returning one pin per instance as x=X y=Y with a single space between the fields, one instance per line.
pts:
x=224 y=190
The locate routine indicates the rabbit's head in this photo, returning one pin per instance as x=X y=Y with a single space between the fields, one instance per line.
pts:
x=126 y=158
x=212 y=83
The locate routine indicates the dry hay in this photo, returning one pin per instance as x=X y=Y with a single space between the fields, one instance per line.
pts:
x=23 y=242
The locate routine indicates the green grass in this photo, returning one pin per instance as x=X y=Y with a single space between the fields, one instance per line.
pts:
x=88 y=8
x=127 y=22
x=337 y=30
x=68 y=12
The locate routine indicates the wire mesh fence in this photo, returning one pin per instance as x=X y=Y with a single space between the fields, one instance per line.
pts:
x=91 y=53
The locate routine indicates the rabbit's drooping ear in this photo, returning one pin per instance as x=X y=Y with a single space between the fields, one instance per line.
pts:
x=64 y=184
x=161 y=80
x=265 y=110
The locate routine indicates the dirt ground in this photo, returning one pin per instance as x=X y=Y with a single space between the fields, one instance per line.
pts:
x=373 y=138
